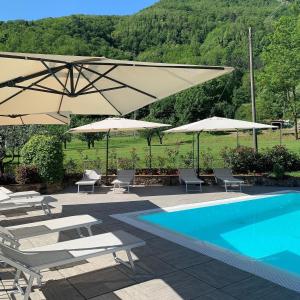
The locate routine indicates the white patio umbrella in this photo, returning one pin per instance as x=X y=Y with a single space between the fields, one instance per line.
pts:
x=38 y=83
x=40 y=119
x=217 y=124
x=117 y=125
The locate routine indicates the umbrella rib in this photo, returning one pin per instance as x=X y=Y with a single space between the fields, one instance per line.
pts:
x=122 y=83
x=24 y=89
x=77 y=80
x=101 y=93
x=57 y=119
x=12 y=82
x=54 y=75
x=105 y=90
x=62 y=96
x=22 y=120
x=95 y=80
x=39 y=90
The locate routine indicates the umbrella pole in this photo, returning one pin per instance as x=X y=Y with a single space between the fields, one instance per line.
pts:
x=107 y=145
x=198 y=153
x=237 y=139
x=193 y=150
x=150 y=152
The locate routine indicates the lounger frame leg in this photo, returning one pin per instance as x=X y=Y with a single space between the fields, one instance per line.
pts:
x=16 y=280
x=28 y=289
x=89 y=230
x=129 y=265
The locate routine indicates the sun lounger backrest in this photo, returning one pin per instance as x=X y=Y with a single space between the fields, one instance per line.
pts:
x=91 y=175
x=223 y=173
x=187 y=173
x=126 y=175
x=4 y=196
x=5 y=190
x=34 y=259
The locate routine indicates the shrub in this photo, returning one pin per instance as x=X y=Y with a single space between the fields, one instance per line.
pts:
x=277 y=159
x=124 y=163
x=45 y=152
x=134 y=158
x=187 y=159
x=281 y=156
x=243 y=160
x=27 y=174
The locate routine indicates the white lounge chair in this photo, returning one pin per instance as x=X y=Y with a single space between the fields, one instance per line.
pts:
x=225 y=175
x=33 y=261
x=124 y=179
x=89 y=178
x=189 y=177
x=13 y=234
x=16 y=203
x=18 y=194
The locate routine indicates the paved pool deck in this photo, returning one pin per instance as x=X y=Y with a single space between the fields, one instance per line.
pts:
x=165 y=271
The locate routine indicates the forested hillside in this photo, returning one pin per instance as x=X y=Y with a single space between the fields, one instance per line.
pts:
x=174 y=31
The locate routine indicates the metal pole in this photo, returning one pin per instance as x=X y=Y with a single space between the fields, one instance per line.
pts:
x=198 y=153
x=280 y=133
x=193 y=150
x=255 y=146
x=107 y=144
x=237 y=139
x=150 y=153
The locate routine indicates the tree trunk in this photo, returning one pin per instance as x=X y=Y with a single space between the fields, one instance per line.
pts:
x=89 y=144
x=65 y=144
x=296 y=127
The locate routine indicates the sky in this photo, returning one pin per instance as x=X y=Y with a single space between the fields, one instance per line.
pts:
x=38 y=9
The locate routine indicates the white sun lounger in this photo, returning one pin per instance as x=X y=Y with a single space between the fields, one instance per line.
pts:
x=124 y=179
x=16 y=203
x=189 y=177
x=225 y=175
x=89 y=178
x=33 y=261
x=13 y=234
x=18 y=194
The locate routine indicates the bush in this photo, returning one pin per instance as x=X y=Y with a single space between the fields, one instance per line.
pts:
x=45 y=152
x=277 y=159
x=281 y=156
x=27 y=174
x=243 y=160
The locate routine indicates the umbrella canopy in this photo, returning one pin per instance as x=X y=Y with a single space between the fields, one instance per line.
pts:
x=41 y=119
x=37 y=83
x=219 y=124
x=117 y=125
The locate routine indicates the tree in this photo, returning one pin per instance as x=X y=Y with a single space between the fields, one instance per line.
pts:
x=12 y=138
x=281 y=72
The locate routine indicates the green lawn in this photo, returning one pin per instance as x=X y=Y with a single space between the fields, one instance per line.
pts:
x=210 y=145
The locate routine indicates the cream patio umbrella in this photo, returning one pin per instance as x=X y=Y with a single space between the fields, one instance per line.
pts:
x=116 y=125
x=38 y=83
x=39 y=119
x=216 y=124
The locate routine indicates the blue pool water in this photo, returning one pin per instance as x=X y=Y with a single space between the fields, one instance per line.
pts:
x=265 y=229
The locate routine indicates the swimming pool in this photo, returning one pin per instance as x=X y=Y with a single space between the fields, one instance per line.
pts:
x=260 y=234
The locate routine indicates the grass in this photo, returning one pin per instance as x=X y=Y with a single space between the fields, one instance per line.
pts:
x=210 y=146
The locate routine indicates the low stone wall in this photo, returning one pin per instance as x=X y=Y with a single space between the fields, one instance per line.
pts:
x=42 y=188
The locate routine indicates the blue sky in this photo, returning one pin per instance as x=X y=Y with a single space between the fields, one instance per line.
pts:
x=37 y=9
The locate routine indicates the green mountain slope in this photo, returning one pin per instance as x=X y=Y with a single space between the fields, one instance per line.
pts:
x=190 y=31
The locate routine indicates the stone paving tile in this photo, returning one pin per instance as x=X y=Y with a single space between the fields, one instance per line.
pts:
x=100 y=282
x=154 y=266
x=60 y=290
x=216 y=295
x=187 y=286
x=217 y=274
x=183 y=258
x=256 y=288
x=140 y=275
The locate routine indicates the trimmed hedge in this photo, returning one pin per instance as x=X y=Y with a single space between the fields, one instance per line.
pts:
x=46 y=153
x=27 y=174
